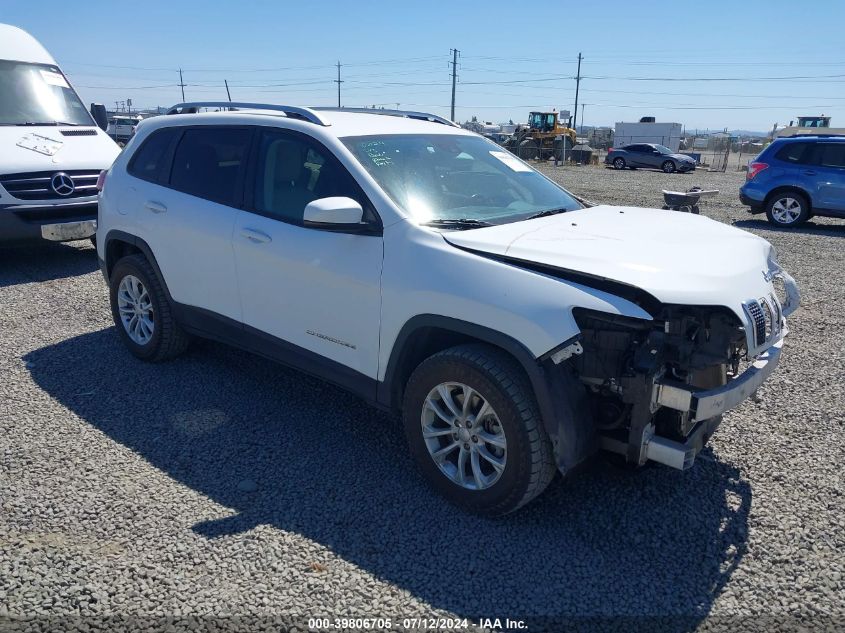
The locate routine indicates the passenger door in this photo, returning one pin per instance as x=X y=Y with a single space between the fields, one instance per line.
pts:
x=188 y=216
x=828 y=172
x=317 y=290
x=638 y=158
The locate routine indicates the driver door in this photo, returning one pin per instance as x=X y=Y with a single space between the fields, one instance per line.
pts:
x=652 y=157
x=317 y=291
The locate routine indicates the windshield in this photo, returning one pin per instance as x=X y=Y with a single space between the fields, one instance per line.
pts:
x=33 y=94
x=663 y=149
x=450 y=177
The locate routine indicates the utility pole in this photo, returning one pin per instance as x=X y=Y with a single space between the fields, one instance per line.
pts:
x=228 y=94
x=454 y=62
x=182 y=85
x=338 y=82
x=582 y=117
x=577 y=86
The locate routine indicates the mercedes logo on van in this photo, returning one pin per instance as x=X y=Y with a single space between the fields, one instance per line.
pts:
x=62 y=184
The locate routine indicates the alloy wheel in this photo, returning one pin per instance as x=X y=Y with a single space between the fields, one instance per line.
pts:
x=786 y=210
x=136 y=310
x=464 y=436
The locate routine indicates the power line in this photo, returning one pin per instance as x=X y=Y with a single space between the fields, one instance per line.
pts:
x=790 y=78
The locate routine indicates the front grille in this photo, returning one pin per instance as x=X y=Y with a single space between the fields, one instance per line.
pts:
x=78 y=132
x=36 y=185
x=759 y=321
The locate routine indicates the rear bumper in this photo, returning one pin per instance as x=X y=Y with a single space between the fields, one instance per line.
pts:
x=752 y=196
x=756 y=206
x=56 y=222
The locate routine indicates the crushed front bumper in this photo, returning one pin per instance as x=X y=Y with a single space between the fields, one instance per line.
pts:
x=703 y=404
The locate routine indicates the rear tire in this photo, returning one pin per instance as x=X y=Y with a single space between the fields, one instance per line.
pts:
x=788 y=209
x=619 y=163
x=506 y=419
x=142 y=312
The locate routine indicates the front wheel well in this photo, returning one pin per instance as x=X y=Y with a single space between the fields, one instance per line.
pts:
x=421 y=343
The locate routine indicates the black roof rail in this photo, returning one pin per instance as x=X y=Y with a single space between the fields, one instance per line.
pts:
x=408 y=114
x=294 y=112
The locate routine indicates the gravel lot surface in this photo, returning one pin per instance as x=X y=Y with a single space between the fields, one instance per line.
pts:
x=221 y=490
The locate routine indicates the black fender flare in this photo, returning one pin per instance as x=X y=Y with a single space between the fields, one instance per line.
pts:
x=561 y=397
x=122 y=236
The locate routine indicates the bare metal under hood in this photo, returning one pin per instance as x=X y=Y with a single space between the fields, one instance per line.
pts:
x=676 y=257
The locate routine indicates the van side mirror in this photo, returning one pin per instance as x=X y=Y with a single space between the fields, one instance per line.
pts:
x=98 y=111
x=336 y=213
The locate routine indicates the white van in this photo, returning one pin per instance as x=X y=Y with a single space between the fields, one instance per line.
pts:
x=51 y=148
x=122 y=127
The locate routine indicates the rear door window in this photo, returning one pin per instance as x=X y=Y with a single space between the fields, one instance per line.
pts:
x=832 y=155
x=148 y=163
x=793 y=153
x=209 y=163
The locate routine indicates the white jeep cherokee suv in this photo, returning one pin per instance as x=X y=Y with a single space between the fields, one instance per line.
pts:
x=431 y=272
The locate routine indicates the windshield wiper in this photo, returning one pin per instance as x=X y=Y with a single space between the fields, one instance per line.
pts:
x=469 y=223
x=547 y=212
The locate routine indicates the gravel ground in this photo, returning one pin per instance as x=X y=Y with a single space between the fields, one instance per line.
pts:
x=223 y=491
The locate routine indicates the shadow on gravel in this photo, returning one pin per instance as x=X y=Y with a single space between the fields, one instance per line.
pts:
x=809 y=228
x=43 y=261
x=606 y=542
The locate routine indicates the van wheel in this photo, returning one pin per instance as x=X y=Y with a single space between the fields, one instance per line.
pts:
x=141 y=311
x=787 y=209
x=474 y=430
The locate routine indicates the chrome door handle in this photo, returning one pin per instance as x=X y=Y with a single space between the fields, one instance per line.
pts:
x=256 y=236
x=155 y=207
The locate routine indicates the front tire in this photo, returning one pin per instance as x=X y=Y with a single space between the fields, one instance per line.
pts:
x=474 y=430
x=142 y=313
x=788 y=209
x=668 y=167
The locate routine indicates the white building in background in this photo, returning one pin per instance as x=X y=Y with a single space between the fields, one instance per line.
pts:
x=668 y=134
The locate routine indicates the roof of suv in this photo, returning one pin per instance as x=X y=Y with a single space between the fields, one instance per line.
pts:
x=803 y=138
x=337 y=123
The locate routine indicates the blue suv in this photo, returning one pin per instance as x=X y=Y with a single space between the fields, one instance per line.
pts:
x=796 y=178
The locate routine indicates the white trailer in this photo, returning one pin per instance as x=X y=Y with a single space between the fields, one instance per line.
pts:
x=668 y=134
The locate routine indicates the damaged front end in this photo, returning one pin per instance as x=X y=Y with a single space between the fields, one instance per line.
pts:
x=656 y=389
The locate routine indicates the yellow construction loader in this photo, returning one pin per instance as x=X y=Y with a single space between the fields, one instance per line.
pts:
x=543 y=137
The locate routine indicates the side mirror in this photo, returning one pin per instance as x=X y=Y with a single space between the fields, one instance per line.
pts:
x=334 y=213
x=98 y=111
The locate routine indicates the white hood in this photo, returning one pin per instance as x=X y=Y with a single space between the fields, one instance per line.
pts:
x=676 y=257
x=96 y=152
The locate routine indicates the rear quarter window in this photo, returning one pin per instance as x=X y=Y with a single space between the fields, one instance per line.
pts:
x=148 y=162
x=793 y=153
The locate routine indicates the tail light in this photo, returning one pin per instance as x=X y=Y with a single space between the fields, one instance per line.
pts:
x=609 y=150
x=754 y=169
x=101 y=180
